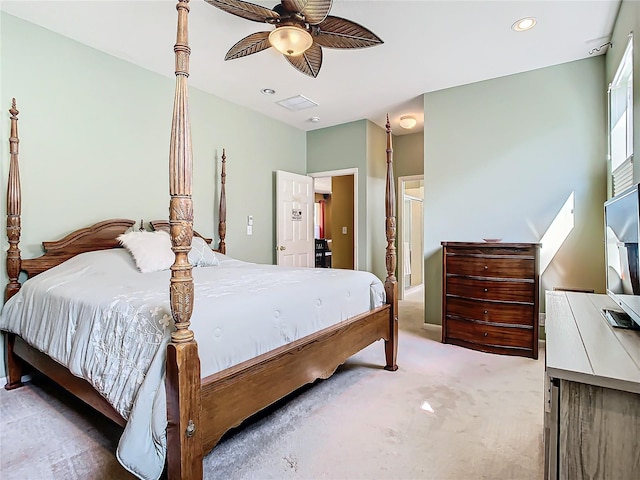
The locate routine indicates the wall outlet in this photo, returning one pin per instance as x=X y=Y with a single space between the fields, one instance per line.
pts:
x=249 y=230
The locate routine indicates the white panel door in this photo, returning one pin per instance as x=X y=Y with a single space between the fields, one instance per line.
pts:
x=294 y=218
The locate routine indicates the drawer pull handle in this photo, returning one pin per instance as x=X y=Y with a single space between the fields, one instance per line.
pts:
x=485 y=334
x=486 y=267
x=486 y=312
x=486 y=289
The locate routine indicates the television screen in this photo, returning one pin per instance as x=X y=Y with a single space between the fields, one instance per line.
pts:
x=622 y=230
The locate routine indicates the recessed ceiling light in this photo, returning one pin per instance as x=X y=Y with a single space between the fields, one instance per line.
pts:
x=524 y=24
x=268 y=91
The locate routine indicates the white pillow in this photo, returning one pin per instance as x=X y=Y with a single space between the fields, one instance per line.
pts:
x=152 y=251
x=201 y=254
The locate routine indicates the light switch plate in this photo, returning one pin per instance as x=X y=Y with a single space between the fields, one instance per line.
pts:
x=249 y=230
x=344 y=230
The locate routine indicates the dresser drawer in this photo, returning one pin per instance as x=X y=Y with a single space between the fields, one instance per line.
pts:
x=511 y=313
x=487 y=266
x=479 y=333
x=508 y=291
x=503 y=250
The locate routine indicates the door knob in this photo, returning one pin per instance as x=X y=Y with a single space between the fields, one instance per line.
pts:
x=282 y=247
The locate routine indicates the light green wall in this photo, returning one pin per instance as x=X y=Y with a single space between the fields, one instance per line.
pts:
x=376 y=186
x=408 y=154
x=360 y=145
x=628 y=20
x=503 y=155
x=94 y=142
x=337 y=148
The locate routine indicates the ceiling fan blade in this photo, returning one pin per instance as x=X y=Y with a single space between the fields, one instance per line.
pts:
x=336 y=32
x=254 y=43
x=315 y=11
x=309 y=62
x=250 y=11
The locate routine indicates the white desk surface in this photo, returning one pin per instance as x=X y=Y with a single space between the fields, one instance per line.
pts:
x=582 y=347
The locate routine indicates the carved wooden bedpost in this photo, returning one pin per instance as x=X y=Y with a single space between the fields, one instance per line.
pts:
x=184 y=439
x=391 y=284
x=14 y=202
x=222 y=213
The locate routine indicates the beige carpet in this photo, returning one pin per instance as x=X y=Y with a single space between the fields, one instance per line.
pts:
x=448 y=413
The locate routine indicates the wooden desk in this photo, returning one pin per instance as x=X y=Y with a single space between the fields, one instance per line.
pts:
x=592 y=394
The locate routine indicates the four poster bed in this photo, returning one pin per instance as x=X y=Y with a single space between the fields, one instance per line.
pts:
x=205 y=395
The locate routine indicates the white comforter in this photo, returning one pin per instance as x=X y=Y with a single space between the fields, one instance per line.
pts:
x=109 y=324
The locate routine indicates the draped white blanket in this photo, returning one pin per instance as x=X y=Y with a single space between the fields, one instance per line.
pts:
x=108 y=323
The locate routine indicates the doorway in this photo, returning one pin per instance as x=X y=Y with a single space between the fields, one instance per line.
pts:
x=410 y=234
x=335 y=219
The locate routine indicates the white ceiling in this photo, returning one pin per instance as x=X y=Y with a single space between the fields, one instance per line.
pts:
x=429 y=45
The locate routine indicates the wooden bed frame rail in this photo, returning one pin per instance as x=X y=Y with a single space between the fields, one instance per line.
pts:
x=199 y=411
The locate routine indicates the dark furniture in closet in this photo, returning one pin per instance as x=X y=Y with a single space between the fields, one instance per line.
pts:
x=323 y=254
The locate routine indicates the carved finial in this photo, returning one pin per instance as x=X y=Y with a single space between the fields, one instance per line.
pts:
x=13 y=110
x=141 y=225
x=388 y=124
x=183 y=4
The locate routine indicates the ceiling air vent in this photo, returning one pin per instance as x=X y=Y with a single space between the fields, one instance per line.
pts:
x=299 y=102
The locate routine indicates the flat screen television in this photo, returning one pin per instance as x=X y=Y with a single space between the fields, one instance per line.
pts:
x=622 y=230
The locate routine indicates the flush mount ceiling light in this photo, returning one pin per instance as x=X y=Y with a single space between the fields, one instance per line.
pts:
x=314 y=119
x=290 y=41
x=268 y=91
x=524 y=24
x=408 y=121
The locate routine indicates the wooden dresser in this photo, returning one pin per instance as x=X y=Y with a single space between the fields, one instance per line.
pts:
x=490 y=296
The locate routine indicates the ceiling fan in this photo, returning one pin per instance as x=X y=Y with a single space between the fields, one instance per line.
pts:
x=302 y=28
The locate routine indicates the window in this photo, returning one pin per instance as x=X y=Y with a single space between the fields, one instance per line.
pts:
x=621 y=123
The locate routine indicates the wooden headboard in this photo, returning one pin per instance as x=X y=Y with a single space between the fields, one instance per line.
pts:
x=163 y=225
x=101 y=236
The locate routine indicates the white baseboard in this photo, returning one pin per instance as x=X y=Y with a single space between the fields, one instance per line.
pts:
x=431 y=326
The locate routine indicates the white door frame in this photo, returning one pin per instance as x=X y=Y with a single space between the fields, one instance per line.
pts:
x=340 y=173
x=400 y=231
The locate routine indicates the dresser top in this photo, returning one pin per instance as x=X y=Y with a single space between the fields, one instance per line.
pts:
x=582 y=347
x=490 y=244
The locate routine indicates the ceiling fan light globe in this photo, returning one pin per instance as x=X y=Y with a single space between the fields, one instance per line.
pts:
x=290 y=40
